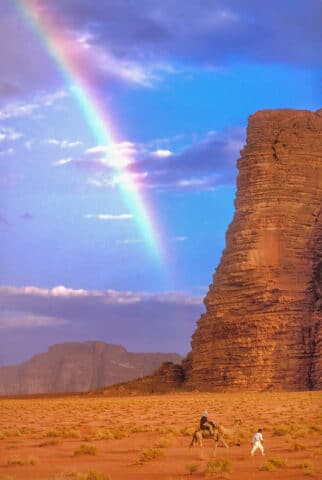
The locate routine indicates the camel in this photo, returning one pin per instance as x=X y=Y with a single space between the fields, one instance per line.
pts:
x=219 y=433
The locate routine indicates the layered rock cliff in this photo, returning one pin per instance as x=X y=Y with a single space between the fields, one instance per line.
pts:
x=79 y=367
x=261 y=328
x=167 y=378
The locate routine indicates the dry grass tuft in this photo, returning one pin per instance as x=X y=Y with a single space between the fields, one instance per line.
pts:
x=18 y=461
x=307 y=467
x=90 y=475
x=297 y=447
x=272 y=464
x=71 y=433
x=103 y=434
x=52 y=434
x=150 y=454
x=51 y=442
x=85 y=449
x=164 y=442
x=219 y=466
x=188 y=431
x=282 y=429
x=11 y=432
x=192 y=468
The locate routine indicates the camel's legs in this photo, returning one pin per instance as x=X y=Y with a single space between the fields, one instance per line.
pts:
x=223 y=442
x=216 y=445
x=215 y=448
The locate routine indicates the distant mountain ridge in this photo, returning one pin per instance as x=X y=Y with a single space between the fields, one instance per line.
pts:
x=79 y=367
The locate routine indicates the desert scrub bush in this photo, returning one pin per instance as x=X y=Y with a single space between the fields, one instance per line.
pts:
x=307 y=467
x=95 y=476
x=85 y=449
x=188 y=431
x=167 y=431
x=192 y=468
x=164 y=442
x=150 y=454
x=25 y=430
x=282 y=429
x=218 y=466
x=316 y=429
x=71 y=433
x=50 y=442
x=17 y=461
x=297 y=447
x=11 y=432
x=116 y=434
x=303 y=431
x=103 y=434
x=272 y=464
x=52 y=433
x=308 y=472
x=304 y=464
x=139 y=429
x=90 y=475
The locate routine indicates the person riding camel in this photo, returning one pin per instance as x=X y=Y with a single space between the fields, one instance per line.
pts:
x=206 y=424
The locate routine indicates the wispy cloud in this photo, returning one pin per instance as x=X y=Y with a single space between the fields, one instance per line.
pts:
x=109 y=216
x=62 y=143
x=114 y=155
x=8 y=151
x=27 y=109
x=207 y=163
x=14 y=320
x=29 y=144
x=9 y=134
x=125 y=69
x=109 y=296
x=62 y=161
x=181 y=238
x=3 y=220
x=129 y=241
x=161 y=153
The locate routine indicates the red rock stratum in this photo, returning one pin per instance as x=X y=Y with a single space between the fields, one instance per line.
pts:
x=261 y=328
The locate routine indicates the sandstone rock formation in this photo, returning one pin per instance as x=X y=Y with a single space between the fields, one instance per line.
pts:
x=261 y=328
x=79 y=367
x=167 y=378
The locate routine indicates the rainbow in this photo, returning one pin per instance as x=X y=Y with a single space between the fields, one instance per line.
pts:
x=56 y=43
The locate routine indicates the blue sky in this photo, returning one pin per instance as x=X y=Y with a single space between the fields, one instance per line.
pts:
x=179 y=80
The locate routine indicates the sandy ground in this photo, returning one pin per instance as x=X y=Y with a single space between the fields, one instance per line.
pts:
x=147 y=437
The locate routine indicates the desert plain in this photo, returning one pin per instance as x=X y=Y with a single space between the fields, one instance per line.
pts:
x=147 y=437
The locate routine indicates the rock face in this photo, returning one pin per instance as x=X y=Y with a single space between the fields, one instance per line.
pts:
x=261 y=328
x=167 y=378
x=78 y=367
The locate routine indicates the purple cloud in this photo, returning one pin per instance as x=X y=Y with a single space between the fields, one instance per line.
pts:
x=206 y=164
x=8 y=90
x=141 y=321
x=117 y=41
x=27 y=216
x=208 y=32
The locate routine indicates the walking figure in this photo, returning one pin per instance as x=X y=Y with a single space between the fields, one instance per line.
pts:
x=257 y=442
